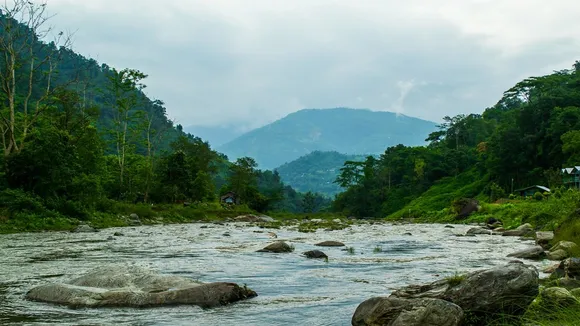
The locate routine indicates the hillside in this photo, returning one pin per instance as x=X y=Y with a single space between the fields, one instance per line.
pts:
x=525 y=139
x=349 y=131
x=316 y=171
x=215 y=135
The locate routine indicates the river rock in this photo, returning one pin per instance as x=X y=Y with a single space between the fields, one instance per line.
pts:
x=83 y=228
x=131 y=286
x=330 y=244
x=392 y=311
x=567 y=246
x=535 y=252
x=521 y=230
x=478 y=230
x=543 y=238
x=315 y=254
x=557 y=297
x=559 y=254
x=253 y=218
x=506 y=289
x=278 y=247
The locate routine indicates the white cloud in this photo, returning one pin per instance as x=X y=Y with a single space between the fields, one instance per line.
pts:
x=226 y=61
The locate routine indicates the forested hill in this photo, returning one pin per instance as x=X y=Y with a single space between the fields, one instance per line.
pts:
x=316 y=171
x=81 y=139
x=525 y=139
x=349 y=131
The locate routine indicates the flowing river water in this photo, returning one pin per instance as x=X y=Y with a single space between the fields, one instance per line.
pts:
x=292 y=290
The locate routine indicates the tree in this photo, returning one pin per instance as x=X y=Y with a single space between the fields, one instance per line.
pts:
x=28 y=69
x=243 y=179
x=125 y=96
x=571 y=146
x=309 y=202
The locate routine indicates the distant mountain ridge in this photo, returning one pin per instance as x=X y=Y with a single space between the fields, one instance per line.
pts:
x=344 y=130
x=316 y=172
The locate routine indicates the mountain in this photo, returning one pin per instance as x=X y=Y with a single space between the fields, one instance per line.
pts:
x=345 y=130
x=215 y=135
x=316 y=172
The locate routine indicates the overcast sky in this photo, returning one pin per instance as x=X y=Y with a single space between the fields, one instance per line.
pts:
x=250 y=62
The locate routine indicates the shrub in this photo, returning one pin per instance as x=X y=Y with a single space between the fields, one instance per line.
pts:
x=538 y=195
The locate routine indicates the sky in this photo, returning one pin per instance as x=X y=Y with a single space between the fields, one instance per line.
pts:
x=246 y=63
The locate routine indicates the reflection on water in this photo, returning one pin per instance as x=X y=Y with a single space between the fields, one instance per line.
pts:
x=292 y=290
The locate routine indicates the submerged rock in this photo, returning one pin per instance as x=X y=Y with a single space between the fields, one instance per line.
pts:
x=130 y=286
x=278 y=246
x=536 y=252
x=398 y=312
x=330 y=244
x=315 y=254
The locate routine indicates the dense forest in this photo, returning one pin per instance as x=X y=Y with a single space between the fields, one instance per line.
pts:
x=525 y=139
x=79 y=137
x=316 y=171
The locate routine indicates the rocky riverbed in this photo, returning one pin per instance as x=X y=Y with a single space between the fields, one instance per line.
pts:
x=292 y=289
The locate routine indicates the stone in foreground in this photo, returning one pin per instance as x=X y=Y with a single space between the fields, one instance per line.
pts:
x=481 y=295
x=131 y=286
x=392 y=311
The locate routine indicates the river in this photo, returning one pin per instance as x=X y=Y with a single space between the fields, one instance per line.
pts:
x=292 y=290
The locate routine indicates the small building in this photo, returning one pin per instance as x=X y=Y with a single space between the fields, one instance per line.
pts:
x=228 y=198
x=571 y=177
x=531 y=190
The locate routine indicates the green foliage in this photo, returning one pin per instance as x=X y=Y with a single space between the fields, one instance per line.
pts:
x=316 y=171
x=455 y=279
x=538 y=195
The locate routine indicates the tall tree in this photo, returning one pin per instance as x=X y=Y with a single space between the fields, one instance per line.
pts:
x=27 y=69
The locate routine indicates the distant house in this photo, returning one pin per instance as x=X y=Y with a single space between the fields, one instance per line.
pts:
x=531 y=190
x=571 y=177
x=228 y=198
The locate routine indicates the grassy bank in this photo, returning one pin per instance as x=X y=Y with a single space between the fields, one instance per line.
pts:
x=117 y=214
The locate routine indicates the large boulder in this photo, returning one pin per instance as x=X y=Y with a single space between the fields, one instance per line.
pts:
x=506 y=289
x=130 y=286
x=390 y=311
x=535 y=252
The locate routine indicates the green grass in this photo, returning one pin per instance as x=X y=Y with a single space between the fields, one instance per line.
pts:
x=436 y=201
x=455 y=279
x=115 y=215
